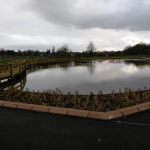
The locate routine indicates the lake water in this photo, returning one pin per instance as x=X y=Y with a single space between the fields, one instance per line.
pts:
x=99 y=75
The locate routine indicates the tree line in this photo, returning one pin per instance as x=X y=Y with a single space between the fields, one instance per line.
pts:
x=138 y=49
x=65 y=51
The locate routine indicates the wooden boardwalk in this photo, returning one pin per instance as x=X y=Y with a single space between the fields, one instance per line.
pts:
x=12 y=69
x=18 y=82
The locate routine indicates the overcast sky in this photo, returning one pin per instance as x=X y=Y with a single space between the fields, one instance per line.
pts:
x=41 y=24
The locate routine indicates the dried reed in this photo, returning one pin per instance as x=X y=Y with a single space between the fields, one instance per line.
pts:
x=99 y=102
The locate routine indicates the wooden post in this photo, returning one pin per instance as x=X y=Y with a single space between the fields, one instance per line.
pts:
x=0 y=88
x=20 y=68
x=24 y=66
x=38 y=63
x=30 y=64
x=27 y=63
x=11 y=71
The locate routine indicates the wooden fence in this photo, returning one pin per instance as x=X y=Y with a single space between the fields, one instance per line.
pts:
x=16 y=84
x=12 y=69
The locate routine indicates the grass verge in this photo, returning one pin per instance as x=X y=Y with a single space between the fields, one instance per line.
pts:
x=10 y=59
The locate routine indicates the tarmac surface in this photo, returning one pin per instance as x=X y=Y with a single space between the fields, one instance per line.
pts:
x=23 y=129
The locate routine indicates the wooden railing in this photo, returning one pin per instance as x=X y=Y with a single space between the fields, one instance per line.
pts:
x=11 y=69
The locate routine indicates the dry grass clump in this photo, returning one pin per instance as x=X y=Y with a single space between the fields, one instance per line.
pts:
x=92 y=102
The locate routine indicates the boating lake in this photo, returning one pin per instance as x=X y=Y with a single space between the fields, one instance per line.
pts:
x=98 y=75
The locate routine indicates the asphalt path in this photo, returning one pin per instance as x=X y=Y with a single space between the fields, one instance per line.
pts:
x=23 y=129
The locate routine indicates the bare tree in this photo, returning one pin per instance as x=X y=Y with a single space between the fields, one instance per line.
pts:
x=91 y=47
x=53 y=50
x=64 y=49
x=37 y=53
x=19 y=53
x=48 y=52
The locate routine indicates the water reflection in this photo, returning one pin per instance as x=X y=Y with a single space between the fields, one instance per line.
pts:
x=104 y=75
x=113 y=61
x=18 y=83
x=98 y=75
x=138 y=63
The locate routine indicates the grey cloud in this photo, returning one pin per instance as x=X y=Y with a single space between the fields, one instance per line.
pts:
x=126 y=14
x=41 y=24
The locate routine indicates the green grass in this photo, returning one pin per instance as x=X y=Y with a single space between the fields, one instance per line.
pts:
x=10 y=59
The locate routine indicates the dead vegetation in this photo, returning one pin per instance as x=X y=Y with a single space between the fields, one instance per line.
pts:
x=100 y=102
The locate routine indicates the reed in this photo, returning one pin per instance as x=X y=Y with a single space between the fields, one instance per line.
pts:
x=93 y=102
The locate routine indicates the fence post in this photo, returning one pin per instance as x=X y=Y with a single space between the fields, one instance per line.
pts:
x=30 y=64
x=11 y=71
x=19 y=68
x=25 y=65
x=0 y=88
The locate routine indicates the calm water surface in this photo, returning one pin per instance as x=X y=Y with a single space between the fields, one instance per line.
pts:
x=99 y=75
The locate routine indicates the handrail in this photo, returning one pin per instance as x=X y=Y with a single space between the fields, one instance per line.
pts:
x=11 y=69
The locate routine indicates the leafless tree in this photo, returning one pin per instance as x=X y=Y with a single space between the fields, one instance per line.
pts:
x=64 y=49
x=91 y=47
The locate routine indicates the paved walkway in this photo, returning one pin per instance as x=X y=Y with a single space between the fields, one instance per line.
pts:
x=22 y=129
